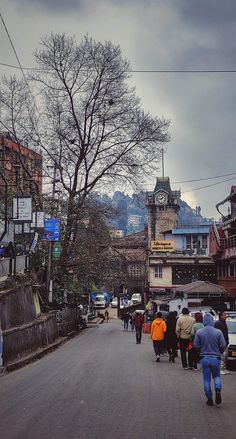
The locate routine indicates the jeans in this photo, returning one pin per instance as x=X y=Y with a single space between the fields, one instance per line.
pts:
x=158 y=347
x=210 y=367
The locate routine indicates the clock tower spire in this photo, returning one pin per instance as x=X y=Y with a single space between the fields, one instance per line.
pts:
x=163 y=206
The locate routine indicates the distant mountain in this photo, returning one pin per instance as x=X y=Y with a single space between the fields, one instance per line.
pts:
x=131 y=213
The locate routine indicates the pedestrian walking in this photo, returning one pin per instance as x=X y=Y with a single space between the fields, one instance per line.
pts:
x=211 y=344
x=132 y=321
x=106 y=316
x=158 y=330
x=126 y=319
x=193 y=353
x=222 y=325
x=183 y=331
x=138 y=321
x=171 y=340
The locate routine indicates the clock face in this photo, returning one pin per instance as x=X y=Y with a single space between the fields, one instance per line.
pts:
x=161 y=198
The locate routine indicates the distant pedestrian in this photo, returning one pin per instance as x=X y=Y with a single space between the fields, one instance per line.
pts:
x=171 y=340
x=158 y=330
x=126 y=319
x=132 y=321
x=107 y=316
x=193 y=353
x=211 y=344
x=138 y=321
x=222 y=325
x=101 y=316
x=183 y=331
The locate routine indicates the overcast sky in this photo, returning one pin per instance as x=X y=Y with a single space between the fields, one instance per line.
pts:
x=157 y=35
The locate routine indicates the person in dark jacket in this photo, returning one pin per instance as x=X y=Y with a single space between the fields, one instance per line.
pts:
x=222 y=325
x=171 y=340
x=138 y=321
x=211 y=344
x=194 y=355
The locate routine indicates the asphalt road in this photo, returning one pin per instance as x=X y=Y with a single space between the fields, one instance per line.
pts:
x=101 y=384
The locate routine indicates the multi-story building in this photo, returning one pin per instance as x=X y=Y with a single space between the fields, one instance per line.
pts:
x=223 y=246
x=176 y=255
x=20 y=175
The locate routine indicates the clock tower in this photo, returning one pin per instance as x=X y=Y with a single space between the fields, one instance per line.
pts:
x=163 y=206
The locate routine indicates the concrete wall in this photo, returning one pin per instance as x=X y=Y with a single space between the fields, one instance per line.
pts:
x=24 y=329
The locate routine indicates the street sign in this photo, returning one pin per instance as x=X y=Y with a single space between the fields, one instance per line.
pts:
x=51 y=230
x=56 y=250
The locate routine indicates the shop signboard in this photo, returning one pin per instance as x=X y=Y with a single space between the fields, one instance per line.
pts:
x=162 y=246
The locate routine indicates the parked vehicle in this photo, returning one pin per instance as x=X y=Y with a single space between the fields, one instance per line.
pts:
x=136 y=298
x=100 y=301
x=114 y=302
x=231 y=355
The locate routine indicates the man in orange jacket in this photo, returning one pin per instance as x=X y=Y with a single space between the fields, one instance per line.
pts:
x=158 y=330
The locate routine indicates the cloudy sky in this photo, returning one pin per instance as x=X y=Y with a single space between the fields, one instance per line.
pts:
x=157 y=35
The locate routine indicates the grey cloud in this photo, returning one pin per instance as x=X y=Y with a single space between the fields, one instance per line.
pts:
x=206 y=12
x=54 y=6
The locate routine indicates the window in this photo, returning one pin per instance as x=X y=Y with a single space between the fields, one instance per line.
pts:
x=135 y=270
x=158 y=271
x=204 y=241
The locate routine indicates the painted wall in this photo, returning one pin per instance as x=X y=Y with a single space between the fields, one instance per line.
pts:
x=165 y=280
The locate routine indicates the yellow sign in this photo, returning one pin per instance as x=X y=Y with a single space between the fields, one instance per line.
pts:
x=162 y=246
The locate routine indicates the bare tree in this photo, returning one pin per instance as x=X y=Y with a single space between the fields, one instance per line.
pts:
x=93 y=127
x=97 y=132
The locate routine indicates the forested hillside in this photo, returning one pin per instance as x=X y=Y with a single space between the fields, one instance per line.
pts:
x=130 y=213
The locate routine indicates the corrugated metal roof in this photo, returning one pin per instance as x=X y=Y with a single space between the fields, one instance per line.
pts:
x=191 y=230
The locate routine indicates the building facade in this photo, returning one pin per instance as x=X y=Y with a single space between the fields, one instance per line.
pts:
x=223 y=246
x=176 y=255
x=20 y=175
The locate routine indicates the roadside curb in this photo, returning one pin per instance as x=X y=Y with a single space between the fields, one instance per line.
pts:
x=21 y=362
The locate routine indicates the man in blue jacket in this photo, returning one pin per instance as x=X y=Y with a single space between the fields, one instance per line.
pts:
x=211 y=344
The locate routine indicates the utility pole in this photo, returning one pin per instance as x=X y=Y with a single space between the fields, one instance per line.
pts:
x=162 y=162
x=53 y=211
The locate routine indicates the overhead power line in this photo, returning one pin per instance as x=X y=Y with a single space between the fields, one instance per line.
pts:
x=209 y=185
x=137 y=71
x=204 y=179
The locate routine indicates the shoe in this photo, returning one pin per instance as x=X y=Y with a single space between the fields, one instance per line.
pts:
x=195 y=368
x=218 y=397
x=210 y=401
x=173 y=360
x=185 y=368
x=227 y=372
x=170 y=359
x=222 y=372
x=157 y=359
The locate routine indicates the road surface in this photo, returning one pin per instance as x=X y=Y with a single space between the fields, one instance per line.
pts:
x=101 y=384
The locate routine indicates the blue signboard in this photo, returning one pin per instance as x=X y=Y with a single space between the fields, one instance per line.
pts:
x=51 y=230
